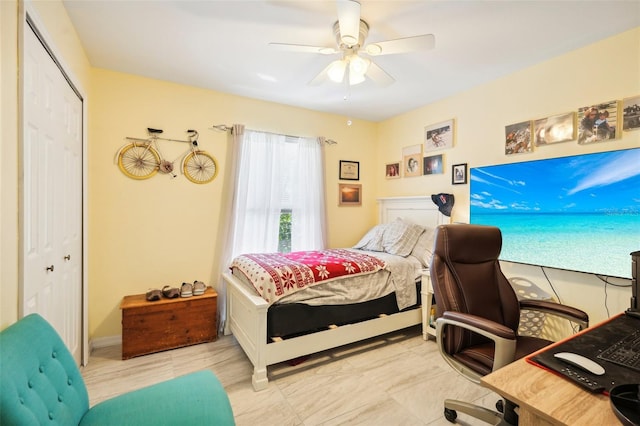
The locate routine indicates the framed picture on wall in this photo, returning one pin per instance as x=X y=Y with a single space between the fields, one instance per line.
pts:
x=439 y=136
x=554 y=129
x=518 y=138
x=349 y=194
x=412 y=160
x=392 y=170
x=432 y=165
x=598 y=122
x=459 y=174
x=631 y=113
x=349 y=170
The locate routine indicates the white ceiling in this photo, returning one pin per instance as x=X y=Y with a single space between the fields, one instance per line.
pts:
x=223 y=45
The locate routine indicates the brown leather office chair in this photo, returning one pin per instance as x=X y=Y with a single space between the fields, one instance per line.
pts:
x=478 y=311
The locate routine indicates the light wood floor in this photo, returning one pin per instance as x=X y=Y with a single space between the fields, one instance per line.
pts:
x=397 y=379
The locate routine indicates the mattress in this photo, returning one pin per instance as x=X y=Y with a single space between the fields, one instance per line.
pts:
x=347 y=300
x=286 y=320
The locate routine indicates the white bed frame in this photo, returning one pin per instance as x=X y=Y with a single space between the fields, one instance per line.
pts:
x=247 y=312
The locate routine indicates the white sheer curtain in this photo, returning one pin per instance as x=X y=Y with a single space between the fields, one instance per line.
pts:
x=268 y=166
x=258 y=193
x=308 y=223
x=228 y=219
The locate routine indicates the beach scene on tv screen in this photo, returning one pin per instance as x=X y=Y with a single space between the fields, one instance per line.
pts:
x=579 y=213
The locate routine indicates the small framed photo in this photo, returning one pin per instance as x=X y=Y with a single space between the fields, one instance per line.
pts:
x=432 y=165
x=459 y=174
x=598 y=122
x=349 y=170
x=631 y=113
x=439 y=136
x=392 y=170
x=350 y=194
x=518 y=138
x=412 y=160
x=554 y=129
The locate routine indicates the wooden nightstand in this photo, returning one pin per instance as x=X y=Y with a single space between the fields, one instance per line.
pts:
x=149 y=327
x=426 y=293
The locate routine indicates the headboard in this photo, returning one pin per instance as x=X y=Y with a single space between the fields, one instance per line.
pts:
x=420 y=210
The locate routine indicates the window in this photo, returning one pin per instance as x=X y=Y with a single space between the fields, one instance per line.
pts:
x=288 y=180
x=279 y=198
x=284 y=236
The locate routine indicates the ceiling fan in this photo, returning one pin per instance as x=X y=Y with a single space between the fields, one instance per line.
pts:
x=351 y=32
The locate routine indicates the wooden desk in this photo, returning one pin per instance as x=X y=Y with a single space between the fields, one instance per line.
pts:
x=547 y=399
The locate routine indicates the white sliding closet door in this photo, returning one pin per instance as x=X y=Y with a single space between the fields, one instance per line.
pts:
x=52 y=195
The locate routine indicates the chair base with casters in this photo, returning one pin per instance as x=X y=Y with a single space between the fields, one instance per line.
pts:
x=505 y=416
x=478 y=312
x=42 y=384
x=452 y=407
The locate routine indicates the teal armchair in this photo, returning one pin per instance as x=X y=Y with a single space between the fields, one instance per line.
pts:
x=41 y=384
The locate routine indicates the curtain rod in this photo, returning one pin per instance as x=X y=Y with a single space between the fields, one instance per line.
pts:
x=224 y=128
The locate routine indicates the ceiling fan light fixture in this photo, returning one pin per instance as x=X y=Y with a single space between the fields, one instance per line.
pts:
x=336 y=70
x=355 y=78
x=358 y=65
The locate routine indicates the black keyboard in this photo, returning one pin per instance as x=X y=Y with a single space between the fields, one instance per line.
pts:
x=625 y=352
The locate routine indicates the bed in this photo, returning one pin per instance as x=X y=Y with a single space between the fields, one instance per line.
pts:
x=261 y=327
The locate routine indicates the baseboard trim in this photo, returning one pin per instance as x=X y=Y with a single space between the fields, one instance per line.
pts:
x=103 y=342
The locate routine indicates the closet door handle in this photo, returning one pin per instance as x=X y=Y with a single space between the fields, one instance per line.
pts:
x=67 y=257
x=50 y=268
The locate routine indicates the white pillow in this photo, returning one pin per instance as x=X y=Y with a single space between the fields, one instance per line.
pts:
x=372 y=240
x=400 y=237
x=423 y=250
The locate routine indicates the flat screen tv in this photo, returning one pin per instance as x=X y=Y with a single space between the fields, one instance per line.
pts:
x=580 y=213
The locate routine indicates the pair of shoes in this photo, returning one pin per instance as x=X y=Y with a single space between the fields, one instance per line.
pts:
x=153 y=295
x=170 y=292
x=198 y=288
x=186 y=290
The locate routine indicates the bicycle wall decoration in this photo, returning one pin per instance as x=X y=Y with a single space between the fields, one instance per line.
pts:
x=142 y=158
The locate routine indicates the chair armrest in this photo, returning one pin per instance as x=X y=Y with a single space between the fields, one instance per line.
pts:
x=489 y=328
x=193 y=399
x=568 y=312
x=503 y=337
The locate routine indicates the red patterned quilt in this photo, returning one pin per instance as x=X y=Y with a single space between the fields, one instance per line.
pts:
x=275 y=275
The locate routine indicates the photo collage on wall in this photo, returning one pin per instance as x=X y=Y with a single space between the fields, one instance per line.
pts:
x=603 y=121
x=589 y=124
x=415 y=161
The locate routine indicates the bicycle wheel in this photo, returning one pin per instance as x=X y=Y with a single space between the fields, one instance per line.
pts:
x=199 y=167
x=138 y=161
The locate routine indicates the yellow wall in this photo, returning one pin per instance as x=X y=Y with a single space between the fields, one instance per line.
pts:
x=8 y=172
x=163 y=231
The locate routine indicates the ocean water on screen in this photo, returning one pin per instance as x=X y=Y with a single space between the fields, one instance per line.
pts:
x=597 y=243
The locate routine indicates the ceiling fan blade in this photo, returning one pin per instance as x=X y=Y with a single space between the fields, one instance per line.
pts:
x=349 y=21
x=401 y=45
x=321 y=78
x=287 y=47
x=378 y=75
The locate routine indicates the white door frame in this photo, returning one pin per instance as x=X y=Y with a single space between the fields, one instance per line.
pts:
x=27 y=13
